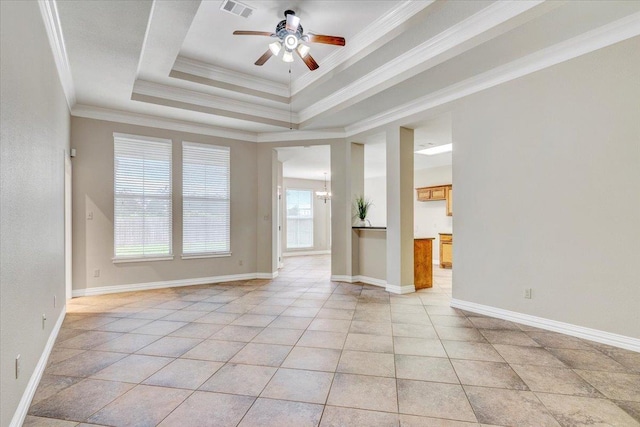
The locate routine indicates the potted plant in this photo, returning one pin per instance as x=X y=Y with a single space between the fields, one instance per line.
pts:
x=362 y=206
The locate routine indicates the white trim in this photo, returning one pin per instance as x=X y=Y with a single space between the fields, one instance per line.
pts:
x=375 y=282
x=341 y=278
x=400 y=290
x=135 y=138
x=51 y=19
x=23 y=407
x=371 y=281
x=200 y=256
x=167 y=284
x=299 y=135
x=99 y=113
x=172 y=93
x=305 y=253
x=211 y=72
x=141 y=259
x=267 y=275
x=596 y=335
x=422 y=57
x=366 y=39
x=601 y=37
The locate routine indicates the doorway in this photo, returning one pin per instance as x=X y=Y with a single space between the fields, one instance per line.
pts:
x=304 y=206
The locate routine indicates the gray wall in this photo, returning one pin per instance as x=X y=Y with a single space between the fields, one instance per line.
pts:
x=34 y=136
x=321 y=215
x=93 y=192
x=547 y=177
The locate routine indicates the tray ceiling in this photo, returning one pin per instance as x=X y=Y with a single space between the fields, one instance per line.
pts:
x=178 y=63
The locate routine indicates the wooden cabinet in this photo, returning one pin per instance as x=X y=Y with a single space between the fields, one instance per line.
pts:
x=423 y=263
x=450 y=201
x=446 y=250
x=438 y=192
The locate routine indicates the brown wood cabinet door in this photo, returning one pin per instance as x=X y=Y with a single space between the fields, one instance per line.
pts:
x=446 y=254
x=424 y=194
x=439 y=193
x=422 y=263
x=450 y=202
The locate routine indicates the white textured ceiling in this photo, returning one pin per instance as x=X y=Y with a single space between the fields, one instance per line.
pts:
x=306 y=162
x=176 y=63
x=216 y=44
x=312 y=162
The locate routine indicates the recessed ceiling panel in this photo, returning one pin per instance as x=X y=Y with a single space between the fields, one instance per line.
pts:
x=211 y=40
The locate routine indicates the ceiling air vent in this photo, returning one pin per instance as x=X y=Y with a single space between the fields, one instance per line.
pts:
x=237 y=8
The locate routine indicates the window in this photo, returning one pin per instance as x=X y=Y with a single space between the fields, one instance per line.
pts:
x=142 y=204
x=299 y=219
x=206 y=216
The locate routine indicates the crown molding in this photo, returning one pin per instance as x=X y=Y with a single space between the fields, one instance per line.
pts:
x=219 y=74
x=300 y=135
x=422 y=57
x=377 y=30
x=98 y=113
x=590 y=41
x=51 y=19
x=162 y=91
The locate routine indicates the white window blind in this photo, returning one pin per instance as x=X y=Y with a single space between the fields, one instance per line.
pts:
x=299 y=219
x=142 y=187
x=206 y=217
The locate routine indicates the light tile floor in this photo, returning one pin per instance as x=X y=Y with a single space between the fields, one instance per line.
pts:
x=301 y=350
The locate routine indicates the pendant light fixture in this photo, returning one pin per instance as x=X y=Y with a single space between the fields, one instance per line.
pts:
x=325 y=194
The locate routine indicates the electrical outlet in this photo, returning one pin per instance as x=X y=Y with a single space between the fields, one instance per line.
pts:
x=96 y=273
x=527 y=293
x=17 y=366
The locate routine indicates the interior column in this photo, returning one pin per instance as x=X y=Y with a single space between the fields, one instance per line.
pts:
x=400 y=211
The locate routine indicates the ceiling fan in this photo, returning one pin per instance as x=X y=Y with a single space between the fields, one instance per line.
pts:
x=290 y=35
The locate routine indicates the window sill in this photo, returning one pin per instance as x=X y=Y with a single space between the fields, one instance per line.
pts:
x=199 y=256
x=142 y=259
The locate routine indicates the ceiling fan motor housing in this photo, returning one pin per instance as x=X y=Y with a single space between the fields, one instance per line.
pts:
x=281 y=30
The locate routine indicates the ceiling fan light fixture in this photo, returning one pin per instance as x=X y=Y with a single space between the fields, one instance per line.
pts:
x=287 y=56
x=275 y=47
x=303 y=50
x=290 y=42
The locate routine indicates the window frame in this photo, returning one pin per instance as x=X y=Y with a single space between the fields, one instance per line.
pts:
x=312 y=218
x=116 y=259
x=201 y=255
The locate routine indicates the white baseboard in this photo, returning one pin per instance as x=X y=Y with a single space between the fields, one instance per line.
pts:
x=170 y=284
x=23 y=407
x=341 y=278
x=304 y=253
x=400 y=290
x=394 y=289
x=596 y=335
x=370 y=281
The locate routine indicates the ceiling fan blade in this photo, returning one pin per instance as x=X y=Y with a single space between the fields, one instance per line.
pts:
x=318 y=38
x=264 y=58
x=292 y=23
x=252 y=33
x=308 y=59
